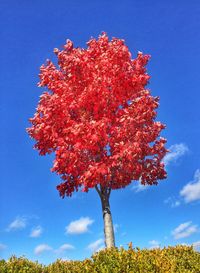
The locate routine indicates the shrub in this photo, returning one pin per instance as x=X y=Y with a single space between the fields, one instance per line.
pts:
x=20 y=265
x=167 y=260
x=179 y=259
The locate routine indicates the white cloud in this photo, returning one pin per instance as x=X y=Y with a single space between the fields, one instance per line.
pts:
x=154 y=244
x=196 y=245
x=18 y=224
x=66 y=247
x=63 y=248
x=2 y=246
x=42 y=248
x=172 y=202
x=176 y=204
x=79 y=226
x=36 y=232
x=65 y=259
x=100 y=248
x=138 y=187
x=191 y=191
x=183 y=244
x=115 y=227
x=175 y=152
x=184 y=230
x=96 y=246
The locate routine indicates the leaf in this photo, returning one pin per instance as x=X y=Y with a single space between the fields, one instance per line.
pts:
x=98 y=96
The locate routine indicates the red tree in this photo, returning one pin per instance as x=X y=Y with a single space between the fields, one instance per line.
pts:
x=95 y=100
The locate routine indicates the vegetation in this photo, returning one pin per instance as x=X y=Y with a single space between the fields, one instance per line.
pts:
x=180 y=259
x=96 y=99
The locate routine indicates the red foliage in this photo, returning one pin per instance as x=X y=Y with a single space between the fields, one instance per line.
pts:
x=97 y=97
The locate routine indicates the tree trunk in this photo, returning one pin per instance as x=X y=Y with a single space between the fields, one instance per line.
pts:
x=104 y=194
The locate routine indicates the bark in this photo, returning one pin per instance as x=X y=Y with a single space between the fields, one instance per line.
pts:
x=104 y=194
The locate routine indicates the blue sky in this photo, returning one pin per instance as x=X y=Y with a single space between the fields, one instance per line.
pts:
x=35 y=221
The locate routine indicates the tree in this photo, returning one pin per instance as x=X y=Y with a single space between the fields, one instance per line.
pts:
x=99 y=120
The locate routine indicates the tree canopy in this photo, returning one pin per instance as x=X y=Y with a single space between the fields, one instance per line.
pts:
x=96 y=99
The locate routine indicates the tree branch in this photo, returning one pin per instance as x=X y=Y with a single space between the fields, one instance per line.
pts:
x=98 y=190
x=109 y=191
